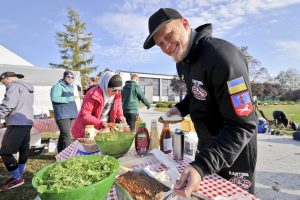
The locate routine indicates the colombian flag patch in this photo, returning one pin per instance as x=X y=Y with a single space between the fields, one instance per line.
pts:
x=236 y=85
x=242 y=103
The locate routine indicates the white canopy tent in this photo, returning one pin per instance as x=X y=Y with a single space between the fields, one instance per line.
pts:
x=42 y=79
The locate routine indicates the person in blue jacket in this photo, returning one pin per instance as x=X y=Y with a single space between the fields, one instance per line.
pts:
x=65 y=109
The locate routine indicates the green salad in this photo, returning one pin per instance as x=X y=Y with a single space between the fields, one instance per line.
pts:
x=74 y=173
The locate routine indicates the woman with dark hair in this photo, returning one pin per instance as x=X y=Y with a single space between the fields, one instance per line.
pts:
x=102 y=104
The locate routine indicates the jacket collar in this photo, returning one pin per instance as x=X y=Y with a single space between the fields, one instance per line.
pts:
x=202 y=32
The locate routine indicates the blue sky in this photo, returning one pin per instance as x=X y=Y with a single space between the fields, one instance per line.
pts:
x=270 y=29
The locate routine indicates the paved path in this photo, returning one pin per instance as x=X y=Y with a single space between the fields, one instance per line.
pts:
x=278 y=165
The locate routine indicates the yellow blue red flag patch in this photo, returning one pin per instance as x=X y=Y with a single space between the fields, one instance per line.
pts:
x=236 y=85
x=242 y=103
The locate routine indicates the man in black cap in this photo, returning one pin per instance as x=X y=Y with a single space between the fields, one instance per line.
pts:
x=65 y=109
x=17 y=111
x=218 y=100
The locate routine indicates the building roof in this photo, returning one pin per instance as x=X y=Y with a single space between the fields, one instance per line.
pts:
x=131 y=72
x=10 y=58
x=39 y=76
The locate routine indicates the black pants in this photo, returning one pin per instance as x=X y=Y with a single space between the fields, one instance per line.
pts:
x=15 y=139
x=64 y=139
x=131 y=119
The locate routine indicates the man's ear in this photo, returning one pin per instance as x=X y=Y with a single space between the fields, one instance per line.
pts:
x=185 y=23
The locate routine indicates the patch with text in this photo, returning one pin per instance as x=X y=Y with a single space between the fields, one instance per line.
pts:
x=240 y=179
x=198 y=91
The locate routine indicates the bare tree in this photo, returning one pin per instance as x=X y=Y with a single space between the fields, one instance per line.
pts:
x=257 y=73
x=178 y=86
x=289 y=79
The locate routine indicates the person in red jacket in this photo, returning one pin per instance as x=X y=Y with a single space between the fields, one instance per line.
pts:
x=101 y=104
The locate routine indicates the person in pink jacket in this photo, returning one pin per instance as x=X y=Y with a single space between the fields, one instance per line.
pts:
x=101 y=105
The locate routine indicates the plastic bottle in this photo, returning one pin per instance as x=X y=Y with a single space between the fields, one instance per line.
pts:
x=89 y=131
x=137 y=124
x=142 y=140
x=154 y=137
x=166 y=139
x=52 y=146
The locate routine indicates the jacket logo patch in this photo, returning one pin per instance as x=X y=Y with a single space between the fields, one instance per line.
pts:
x=236 y=85
x=198 y=91
x=242 y=103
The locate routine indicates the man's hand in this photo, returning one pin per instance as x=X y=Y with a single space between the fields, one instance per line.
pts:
x=2 y=125
x=188 y=182
x=173 y=111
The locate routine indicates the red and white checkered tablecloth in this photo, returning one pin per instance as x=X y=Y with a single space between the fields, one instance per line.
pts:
x=45 y=125
x=39 y=126
x=211 y=187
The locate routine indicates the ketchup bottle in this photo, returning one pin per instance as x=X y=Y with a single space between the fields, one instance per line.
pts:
x=142 y=140
x=165 y=139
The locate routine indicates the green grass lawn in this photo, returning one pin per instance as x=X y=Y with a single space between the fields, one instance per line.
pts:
x=26 y=191
x=292 y=111
x=161 y=109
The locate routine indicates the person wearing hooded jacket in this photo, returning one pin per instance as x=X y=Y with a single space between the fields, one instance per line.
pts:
x=101 y=104
x=131 y=97
x=218 y=100
x=17 y=111
x=65 y=109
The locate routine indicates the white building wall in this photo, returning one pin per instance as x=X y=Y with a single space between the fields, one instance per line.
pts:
x=127 y=75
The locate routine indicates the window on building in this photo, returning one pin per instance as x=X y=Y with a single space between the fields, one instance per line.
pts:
x=166 y=88
x=154 y=82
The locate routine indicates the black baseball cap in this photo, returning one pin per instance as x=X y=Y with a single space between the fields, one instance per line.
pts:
x=159 y=18
x=10 y=74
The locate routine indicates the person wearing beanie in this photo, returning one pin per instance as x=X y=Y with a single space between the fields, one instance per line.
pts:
x=218 y=100
x=65 y=109
x=17 y=111
x=101 y=104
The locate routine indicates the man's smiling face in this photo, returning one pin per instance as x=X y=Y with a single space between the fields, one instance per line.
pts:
x=173 y=38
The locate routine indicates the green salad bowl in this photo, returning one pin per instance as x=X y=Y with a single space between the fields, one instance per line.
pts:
x=94 y=191
x=114 y=144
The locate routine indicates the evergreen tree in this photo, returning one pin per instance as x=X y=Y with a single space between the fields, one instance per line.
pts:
x=74 y=46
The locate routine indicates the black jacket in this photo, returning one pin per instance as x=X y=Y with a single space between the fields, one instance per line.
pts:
x=219 y=102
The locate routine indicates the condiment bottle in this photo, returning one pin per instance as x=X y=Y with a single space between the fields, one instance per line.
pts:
x=154 y=137
x=142 y=140
x=89 y=131
x=166 y=139
x=137 y=123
